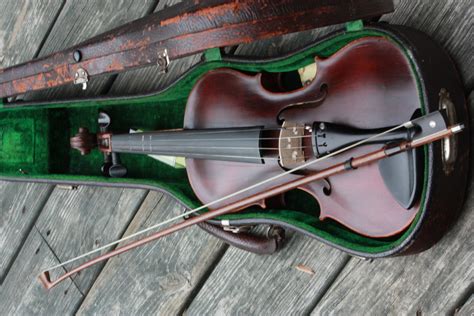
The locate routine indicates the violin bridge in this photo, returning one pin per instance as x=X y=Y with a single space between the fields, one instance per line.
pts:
x=290 y=145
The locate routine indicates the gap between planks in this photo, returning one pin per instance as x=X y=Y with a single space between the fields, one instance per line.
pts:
x=27 y=231
x=45 y=37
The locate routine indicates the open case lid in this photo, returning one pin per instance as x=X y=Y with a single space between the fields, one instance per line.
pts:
x=180 y=30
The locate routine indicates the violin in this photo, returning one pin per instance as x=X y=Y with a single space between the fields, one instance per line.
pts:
x=350 y=138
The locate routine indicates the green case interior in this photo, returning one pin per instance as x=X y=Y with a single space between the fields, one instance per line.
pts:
x=34 y=142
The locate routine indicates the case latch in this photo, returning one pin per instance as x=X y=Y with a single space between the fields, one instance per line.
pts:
x=81 y=77
x=163 y=60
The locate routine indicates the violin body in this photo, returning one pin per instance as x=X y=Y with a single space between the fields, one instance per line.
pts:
x=369 y=85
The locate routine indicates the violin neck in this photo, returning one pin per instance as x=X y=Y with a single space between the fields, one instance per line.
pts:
x=228 y=144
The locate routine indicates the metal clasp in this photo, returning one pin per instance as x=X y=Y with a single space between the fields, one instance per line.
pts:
x=449 y=145
x=67 y=187
x=234 y=229
x=81 y=77
x=163 y=60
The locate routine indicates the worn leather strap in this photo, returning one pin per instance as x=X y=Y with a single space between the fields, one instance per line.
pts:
x=180 y=30
x=247 y=241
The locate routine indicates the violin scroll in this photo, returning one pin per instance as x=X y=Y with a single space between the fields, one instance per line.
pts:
x=84 y=141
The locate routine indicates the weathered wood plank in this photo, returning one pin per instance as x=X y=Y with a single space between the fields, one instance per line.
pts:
x=149 y=79
x=450 y=23
x=432 y=282
x=468 y=308
x=81 y=20
x=248 y=284
x=157 y=278
x=76 y=221
x=22 y=293
x=20 y=205
x=277 y=46
x=23 y=26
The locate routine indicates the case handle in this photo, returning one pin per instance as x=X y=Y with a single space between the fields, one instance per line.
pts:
x=263 y=245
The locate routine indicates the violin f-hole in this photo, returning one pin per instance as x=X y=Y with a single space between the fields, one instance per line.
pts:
x=305 y=104
x=327 y=189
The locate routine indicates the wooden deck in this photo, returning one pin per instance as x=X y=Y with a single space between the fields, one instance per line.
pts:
x=191 y=272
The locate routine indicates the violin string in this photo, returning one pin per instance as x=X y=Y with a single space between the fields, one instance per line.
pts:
x=210 y=139
x=207 y=156
x=146 y=148
x=231 y=195
x=213 y=131
x=210 y=155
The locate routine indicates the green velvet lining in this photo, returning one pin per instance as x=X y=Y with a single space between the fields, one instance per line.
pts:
x=213 y=54
x=34 y=142
x=353 y=26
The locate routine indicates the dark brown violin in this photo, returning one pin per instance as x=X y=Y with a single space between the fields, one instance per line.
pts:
x=348 y=138
x=237 y=133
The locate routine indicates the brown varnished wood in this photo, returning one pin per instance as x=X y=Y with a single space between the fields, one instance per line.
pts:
x=370 y=85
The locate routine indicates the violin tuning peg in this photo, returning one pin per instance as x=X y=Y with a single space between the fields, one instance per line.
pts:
x=117 y=170
x=105 y=169
x=104 y=121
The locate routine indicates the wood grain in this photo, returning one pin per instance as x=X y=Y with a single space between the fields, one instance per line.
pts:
x=157 y=278
x=449 y=22
x=17 y=42
x=76 y=221
x=150 y=79
x=429 y=283
x=279 y=45
x=432 y=282
x=22 y=294
x=248 y=284
x=20 y=205
x=80 y=20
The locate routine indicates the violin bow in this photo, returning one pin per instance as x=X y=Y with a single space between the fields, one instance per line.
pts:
x=432 y=128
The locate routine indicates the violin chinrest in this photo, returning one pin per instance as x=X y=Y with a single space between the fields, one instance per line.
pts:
x=400 y=174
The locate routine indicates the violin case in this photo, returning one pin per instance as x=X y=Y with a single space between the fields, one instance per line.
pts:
x=34 y=137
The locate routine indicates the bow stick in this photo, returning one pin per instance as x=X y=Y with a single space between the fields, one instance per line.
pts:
x=430 y=131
